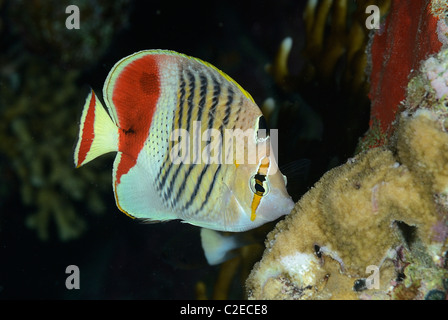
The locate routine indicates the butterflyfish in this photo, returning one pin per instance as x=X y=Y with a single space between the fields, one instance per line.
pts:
x=191 y=144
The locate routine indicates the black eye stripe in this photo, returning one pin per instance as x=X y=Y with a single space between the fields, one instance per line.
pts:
x=259 y=188
x=259 y=185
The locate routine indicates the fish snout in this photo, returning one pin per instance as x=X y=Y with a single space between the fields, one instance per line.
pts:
x=276 y=204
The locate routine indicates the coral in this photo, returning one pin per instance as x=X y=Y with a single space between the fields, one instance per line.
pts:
x=343 y=43
x=42 y=26
x=326 y=83
x=334 y=51
x=418 y=25
x=360 y=214
x=387 y=208
x=375 y=138
x=38 y=132
x=39 y=102
x=279 y=68
x=428 y=91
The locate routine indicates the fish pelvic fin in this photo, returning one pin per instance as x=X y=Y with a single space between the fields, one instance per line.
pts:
x=98 y=134
x=218 y=247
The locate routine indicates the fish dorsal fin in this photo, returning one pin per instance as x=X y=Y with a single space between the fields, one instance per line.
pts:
x=225 y=75
x=137 y=62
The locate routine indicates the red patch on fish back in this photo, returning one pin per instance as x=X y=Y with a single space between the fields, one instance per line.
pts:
x=87 y=131
x=135 y=97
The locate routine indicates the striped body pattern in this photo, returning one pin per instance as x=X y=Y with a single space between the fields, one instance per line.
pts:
x=188 y=142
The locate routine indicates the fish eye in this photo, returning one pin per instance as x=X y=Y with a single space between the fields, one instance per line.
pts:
x=259 y=185
x=263 y=129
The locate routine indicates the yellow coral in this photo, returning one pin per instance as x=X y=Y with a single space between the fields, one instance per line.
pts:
x=358 y=215
x=385 y=210
x=425 y=151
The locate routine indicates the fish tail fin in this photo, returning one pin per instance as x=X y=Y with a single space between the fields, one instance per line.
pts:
x=98 y=134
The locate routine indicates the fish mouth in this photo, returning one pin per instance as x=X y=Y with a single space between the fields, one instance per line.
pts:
x=275 y=207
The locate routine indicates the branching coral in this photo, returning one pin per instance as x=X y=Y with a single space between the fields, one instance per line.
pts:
x=37 y=131
x=39 y=107
x=345 y=39
x=42 y=27
x=332 y=81
x=334 y=52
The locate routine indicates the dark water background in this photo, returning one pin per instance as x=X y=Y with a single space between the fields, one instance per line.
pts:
x=117 y=257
